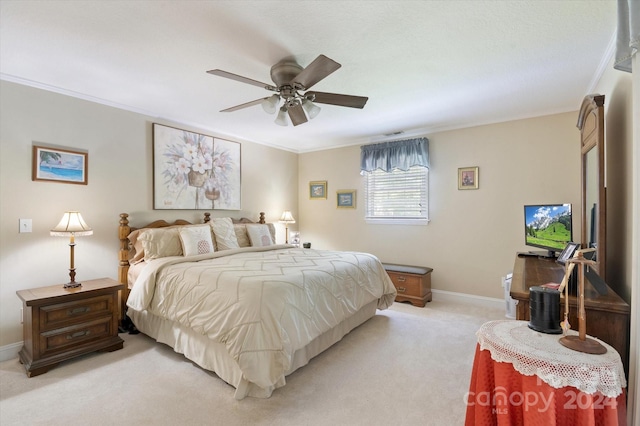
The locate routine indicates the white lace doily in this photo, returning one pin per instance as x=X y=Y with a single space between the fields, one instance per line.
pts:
x=540 y=354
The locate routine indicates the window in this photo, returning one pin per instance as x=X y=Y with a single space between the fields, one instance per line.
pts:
x=396 y=181
x=397 y=196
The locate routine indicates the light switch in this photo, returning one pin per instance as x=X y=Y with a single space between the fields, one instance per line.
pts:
x=25 y=225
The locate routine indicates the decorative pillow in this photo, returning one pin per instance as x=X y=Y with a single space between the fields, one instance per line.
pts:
x=225 y=235
x=259 y=235
x=241 y=235
x=160 y=242
x=196 y=240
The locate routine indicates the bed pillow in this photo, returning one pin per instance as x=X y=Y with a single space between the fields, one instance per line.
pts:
x=259 y=235
x=241 y=235
x=160 y=242
x=225 y=235
x=196 y=240
x=137 y=254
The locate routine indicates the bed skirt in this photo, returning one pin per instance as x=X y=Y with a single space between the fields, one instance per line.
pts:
x=213 y=356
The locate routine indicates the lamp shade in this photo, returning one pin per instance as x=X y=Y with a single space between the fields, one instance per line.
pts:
x=312 y=109
x=281 y=119
x=287 y=217
x=270 y=104
x=72 y=223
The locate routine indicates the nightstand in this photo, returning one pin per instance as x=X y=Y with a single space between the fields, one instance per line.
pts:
x=60 y=324
x=413 y=283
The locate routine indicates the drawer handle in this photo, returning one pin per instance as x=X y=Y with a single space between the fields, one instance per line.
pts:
x=81 y=310
x=402 y=279
x=77 y=334
x=402 y=289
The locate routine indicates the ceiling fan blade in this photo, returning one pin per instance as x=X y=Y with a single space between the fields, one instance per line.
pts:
x=241 y=79
x=314 y=72
x=337 y=99
x=296 y=114
x=246 y=105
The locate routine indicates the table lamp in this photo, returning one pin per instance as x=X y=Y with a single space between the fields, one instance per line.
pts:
x=286 y=218
x=71 y=225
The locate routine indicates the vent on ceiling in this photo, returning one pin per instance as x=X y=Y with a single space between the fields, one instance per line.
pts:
x=399 y=132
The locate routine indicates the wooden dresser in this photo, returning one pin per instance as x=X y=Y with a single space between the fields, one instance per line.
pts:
x=607 y=315
x=60 y=323
x=413 y=283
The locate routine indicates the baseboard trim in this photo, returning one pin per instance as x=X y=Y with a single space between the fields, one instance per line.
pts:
x=10 y=351
x=450 y=296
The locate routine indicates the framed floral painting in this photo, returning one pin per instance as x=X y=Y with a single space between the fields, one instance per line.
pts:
x=194 y=171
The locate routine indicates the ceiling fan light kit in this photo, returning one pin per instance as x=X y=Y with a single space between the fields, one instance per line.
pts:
x=291 y=80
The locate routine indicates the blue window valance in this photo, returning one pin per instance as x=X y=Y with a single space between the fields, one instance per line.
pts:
x=388 y=156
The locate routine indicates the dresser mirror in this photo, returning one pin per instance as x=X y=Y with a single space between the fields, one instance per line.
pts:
x=594 y=203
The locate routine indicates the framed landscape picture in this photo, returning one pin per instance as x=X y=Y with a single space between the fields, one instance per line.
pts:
x=346 y=199
x=59 y=165
x=318 y=190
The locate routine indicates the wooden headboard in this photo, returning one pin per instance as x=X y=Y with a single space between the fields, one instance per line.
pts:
x=124 y=252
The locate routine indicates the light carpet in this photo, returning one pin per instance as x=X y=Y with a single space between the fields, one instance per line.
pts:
x=405 y=366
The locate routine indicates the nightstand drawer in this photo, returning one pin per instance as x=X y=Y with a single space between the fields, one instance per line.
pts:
x=62 y=314
x=68 y=337
x=406 y=284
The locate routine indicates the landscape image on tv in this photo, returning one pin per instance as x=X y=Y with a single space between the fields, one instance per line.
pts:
x=548 y=226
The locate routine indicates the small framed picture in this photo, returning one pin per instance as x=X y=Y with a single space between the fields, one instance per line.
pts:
x=318 y=190
x=346 y=199
x=468 y=178
x=59 y=165
x=568 y=252
x=294 y=238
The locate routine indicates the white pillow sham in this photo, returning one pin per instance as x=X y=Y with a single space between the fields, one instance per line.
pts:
x=259 y=235
x=196 y=240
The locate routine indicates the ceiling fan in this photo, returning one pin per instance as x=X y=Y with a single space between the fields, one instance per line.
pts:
x=292 y=83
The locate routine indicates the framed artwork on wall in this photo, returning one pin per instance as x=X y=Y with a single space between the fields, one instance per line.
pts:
x=318 y=190
x=468 y=178
x=194 y=171
x=59 y=165
x=346 y=199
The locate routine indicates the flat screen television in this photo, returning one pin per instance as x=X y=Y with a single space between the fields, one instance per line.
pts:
x=548 y=226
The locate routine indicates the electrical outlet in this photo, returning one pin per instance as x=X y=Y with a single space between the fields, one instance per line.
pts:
x=25 y=225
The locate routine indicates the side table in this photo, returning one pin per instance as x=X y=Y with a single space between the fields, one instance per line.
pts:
x=60 y=324
x=521 y=376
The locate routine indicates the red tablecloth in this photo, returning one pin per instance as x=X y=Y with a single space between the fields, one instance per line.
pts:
x=500 y=395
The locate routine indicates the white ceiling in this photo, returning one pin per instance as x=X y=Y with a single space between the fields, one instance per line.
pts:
x=426 y=66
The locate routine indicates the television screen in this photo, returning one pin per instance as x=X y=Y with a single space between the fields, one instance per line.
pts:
x=548 y=226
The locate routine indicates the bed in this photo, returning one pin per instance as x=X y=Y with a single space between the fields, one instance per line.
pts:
x=232 y=301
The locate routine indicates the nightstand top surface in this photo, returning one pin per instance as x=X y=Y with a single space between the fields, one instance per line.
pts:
x=54 y=291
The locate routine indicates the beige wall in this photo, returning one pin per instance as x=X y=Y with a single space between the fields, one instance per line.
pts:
x=120 y=180
x=473 y=235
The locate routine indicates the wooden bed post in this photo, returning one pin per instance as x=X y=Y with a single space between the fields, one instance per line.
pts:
x=123 y=261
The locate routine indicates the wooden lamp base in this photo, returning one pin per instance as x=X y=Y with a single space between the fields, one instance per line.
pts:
x=588 y=346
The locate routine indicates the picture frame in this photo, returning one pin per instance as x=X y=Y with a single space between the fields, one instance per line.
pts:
x=318 y=190
x=468 y=178
x=195 y=171
x=60 y=165
x=346 y=199
x=568 y=252
x=294 y=238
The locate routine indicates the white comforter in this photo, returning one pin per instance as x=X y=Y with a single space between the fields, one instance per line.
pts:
x=265 y=303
